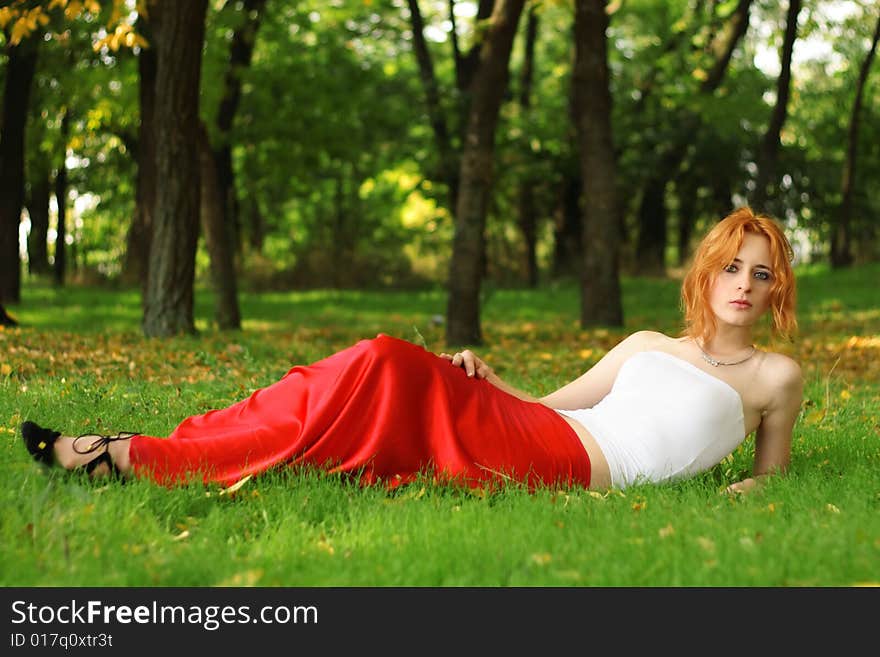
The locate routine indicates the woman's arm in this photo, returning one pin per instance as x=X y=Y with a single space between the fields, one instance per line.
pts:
x=478 y=368
x=591 y=387
x=584 y=392
x=774 y=434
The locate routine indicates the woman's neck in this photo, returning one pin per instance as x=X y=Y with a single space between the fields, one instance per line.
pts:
x=728 y=341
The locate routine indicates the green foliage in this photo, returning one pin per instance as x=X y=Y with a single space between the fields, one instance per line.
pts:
x=98 y=90
x=328 y=109
x=332 y=110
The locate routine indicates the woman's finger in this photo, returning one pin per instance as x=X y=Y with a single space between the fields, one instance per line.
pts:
x=467 y=360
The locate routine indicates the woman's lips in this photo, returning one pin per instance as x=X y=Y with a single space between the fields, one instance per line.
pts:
x=741 y=304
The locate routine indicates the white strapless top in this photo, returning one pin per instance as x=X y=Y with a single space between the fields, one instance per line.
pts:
x=664 y=419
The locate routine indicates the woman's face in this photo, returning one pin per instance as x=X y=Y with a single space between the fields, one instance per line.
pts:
x=741 y=291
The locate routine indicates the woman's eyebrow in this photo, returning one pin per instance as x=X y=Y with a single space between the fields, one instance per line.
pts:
x=738 y=261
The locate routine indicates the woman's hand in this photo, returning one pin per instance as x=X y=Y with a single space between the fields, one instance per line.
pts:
x=742 y=487
x=470 y=362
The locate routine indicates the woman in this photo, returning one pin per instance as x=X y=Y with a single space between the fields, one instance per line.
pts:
x=654 y=408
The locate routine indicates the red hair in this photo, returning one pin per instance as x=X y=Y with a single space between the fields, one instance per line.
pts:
x=717 y=250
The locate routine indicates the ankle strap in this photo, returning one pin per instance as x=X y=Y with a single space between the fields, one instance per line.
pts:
x=99 y=440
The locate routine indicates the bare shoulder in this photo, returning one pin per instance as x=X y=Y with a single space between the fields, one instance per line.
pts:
x=642 y=340
x=633 y=344
x=780 y=371
x=781 y=380
x=594 y=384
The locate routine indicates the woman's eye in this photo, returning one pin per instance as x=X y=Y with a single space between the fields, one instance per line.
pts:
x=731 y=269
x=762 y=275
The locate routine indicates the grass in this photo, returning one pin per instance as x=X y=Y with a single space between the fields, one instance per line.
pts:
x=79 y=363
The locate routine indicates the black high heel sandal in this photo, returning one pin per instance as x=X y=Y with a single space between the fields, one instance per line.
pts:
x=40 y=441
x=99 y=441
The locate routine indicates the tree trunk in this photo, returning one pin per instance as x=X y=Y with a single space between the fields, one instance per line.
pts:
x=179 y=30
x=220 y=208
x=721 y=196
x=528 y=225
x=653 y=227
x=137 y=253
x=60 y=265
x=252 y=215
x=38 y=210
x=735 y=30
x=527 y=212
x=217 y=239
x=240 y=53
x=466 y=64
x=841 y=239
x=5 y=319
x=256 y=222
x=651 y=248
x=21 y=64
x=448 y=166
x=567 y=232
x=600 y=278
x=765 y=185
x=487 y=91
x=220 y=215
x=687 y=203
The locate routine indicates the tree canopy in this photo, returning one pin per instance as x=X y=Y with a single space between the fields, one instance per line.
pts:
x=336 y=175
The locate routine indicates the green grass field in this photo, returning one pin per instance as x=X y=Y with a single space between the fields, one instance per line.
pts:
x=79 y=363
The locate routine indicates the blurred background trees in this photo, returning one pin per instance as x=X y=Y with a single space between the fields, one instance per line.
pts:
x=455 y=143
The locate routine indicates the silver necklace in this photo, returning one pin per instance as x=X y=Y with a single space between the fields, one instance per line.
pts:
x=715 y=362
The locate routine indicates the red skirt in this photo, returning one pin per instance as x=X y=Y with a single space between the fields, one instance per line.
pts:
x=384 y=410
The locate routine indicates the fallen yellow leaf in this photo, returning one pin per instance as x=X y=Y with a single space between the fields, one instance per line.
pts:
x=542 y=558
x=234 y=487
x=247 y=578
x=706 y=543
